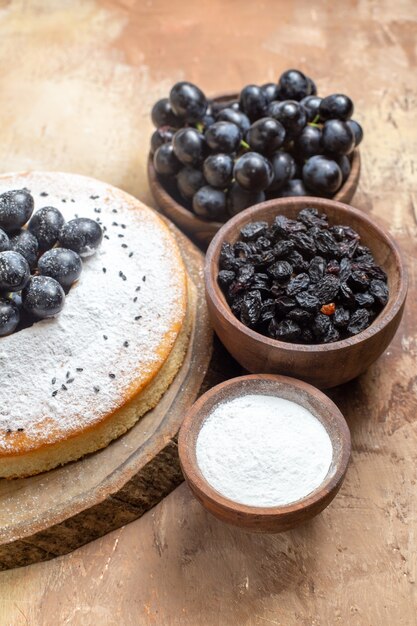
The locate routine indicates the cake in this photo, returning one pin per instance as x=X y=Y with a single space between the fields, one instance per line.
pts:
x=73 y=383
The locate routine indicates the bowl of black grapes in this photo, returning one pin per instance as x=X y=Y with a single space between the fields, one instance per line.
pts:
x=210 y=159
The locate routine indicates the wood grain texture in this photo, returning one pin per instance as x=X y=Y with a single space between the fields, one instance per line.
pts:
x=52 y=513
x=322 y=365
x=76 y=84
x=265 y=519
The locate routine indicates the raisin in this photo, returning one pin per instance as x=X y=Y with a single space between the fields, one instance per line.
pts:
x=297 y=261
x=311 y=217
x=301 y=316
x=284 y=305
x=250 y=309
x=261 y=281
x=358 y=281
x=326 y=289
x=267 y=310
x=304 y=244
x=364 y=299
x=346 y=295
x=307 y=336
x=283 y=248
x=280 y=271
x=341 y=317
x=262 y=243
x=328 y=309
x=333 y=267
x=358 y=321
x=316 y=268
x=225 y=277
x=321 y=326
x=326 y=244
x=297 y=284
x=348 y=248
x=227 y=260
x=245 y=275
x=277 y=289
x=344 y=232
x=345 y=269
x=253 y=230
x=287 y=330
x=285 y=226
x=380 y=291
x=308 y=301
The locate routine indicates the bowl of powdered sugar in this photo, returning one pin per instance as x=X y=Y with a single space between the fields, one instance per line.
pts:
x=264 y=452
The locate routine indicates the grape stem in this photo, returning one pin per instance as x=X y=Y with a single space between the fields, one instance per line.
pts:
x=200 y=127
x=244 y=144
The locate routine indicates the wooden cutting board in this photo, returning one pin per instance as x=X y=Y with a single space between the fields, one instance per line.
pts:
x=55 y=512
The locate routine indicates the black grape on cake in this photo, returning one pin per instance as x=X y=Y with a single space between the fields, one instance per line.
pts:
x=40 y=259
x=217 y=157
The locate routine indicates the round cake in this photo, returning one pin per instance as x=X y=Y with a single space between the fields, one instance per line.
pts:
x=72 y=383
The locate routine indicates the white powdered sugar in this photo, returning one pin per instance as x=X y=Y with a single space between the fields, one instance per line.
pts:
x=118 y=324
x=264 y=451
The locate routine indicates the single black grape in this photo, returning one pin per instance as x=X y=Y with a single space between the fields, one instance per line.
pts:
x=236 y=117
x=46 y=224
x=283 y=167
x=337 y=138
x=294 y=187
x=188 y=102
x=336 y=106
x=161 y=135
x=270 y=91
x=253 y=172
x=253 y=102
x=223 y=137
x=165 y=162
x=291 y=114
x=239 y=199
x=63 y=265
x=14 y=271
x=82 y=234
x=16 y=207
x=294 y=85
x=4 y=241
x=9 y=317
x=189 y=146
x=189 y=181
x=311 y=105
x=357 y=131
x=163 y=115
x=322 y=175
x=266 y=135
x=26 y=244
x=308 y=143
x=345 y=167
x=43 y=297
x=218 y=170
x=210 y=203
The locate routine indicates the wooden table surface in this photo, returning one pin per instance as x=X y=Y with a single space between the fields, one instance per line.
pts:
x=77 y=80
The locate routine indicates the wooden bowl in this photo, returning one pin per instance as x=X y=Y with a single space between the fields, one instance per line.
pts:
x=170 y=204
x=265 y=519
x=322 y=365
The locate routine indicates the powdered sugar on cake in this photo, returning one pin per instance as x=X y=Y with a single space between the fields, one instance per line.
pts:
x=68 y=372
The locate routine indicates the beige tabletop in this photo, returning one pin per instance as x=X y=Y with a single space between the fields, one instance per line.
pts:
x=77 y=80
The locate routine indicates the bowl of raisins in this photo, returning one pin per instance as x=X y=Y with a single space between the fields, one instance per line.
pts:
x=212 y=158
x=307 y=287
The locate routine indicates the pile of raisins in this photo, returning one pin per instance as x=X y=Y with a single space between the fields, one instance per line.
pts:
x=302 y=280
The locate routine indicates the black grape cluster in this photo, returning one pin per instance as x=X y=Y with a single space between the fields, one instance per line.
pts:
x=277 y=140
